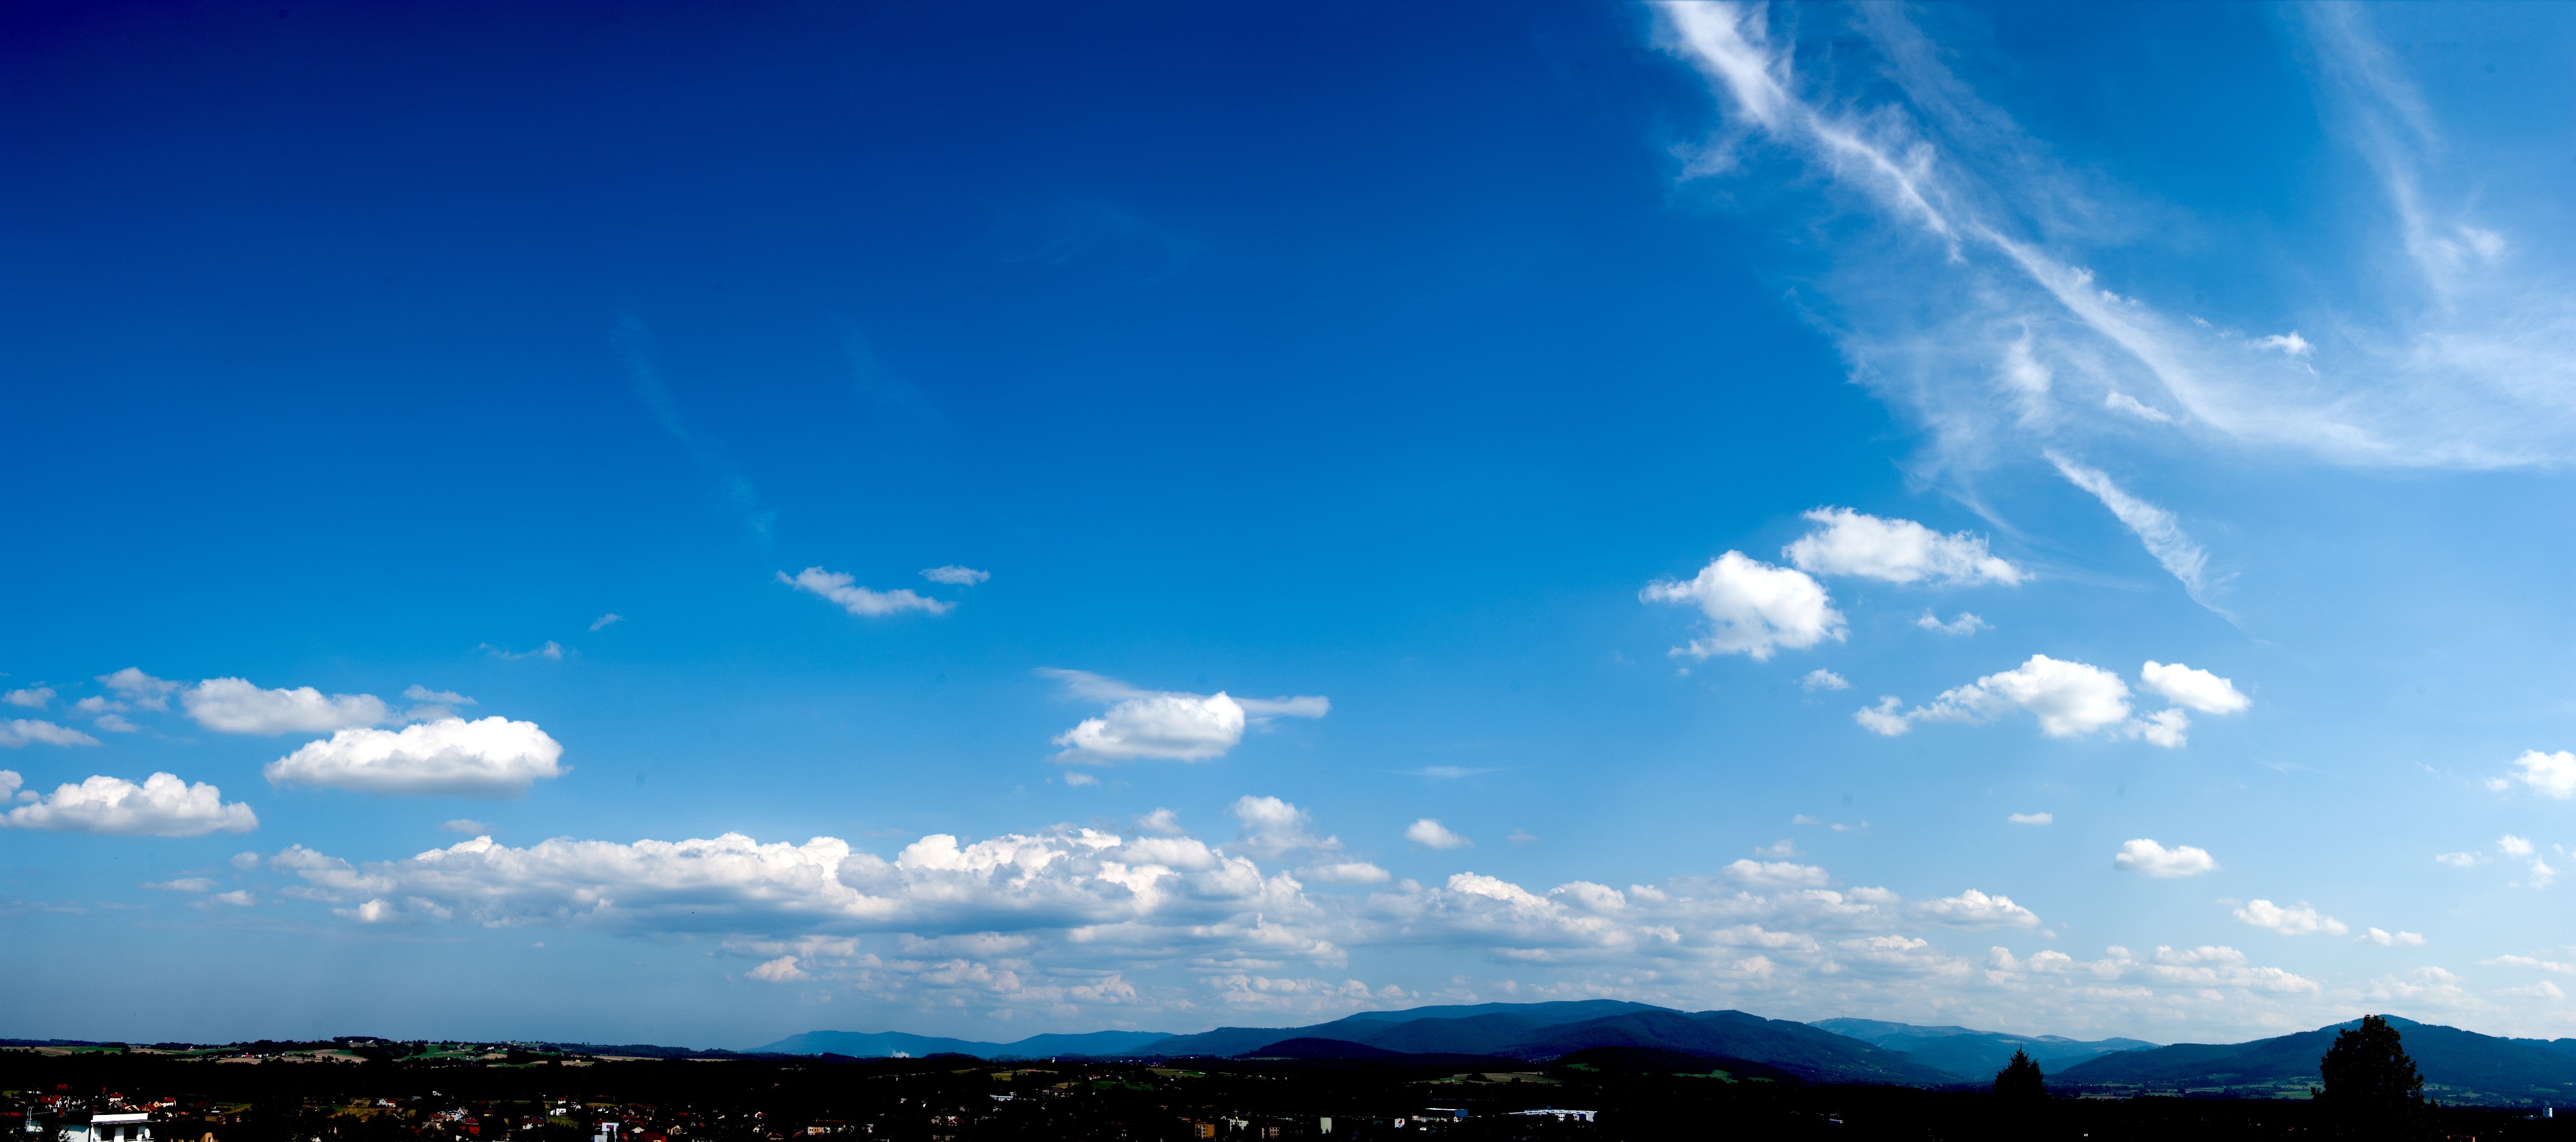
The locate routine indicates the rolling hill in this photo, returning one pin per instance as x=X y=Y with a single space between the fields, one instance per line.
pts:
x=881 y=1044
x=2457 y=1065
x=1971 y=1055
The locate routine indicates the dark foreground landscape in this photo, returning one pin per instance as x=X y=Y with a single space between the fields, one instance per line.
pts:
x=1623 y=1071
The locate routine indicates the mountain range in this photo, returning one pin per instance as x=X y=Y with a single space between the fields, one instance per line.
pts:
x=2458 y=1066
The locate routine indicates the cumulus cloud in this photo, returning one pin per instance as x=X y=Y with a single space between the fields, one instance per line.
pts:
x=1347 y=872
x=163 y=806
x=1272 y=827
x=142 y=690
x=843 y=591
x=493 y=757
x=1823 y=679
x=2198 y=689
x=2068 y=698
x=1753 y=608
x=33 y=697
x=235 y=706
x=2547 y=774
x=2296 y=920
x=1896 y=551
x=2458 y=860
x=1076 y=923
x=16 y=733
x=1974 y=909
x=1777 y=874
x=1965 y=624
x=2031 y=818
x=115 y=724
x=2511 y=845
x=1431 y=834
x=2390 y=939
x=955 y=575
x=1166 y=724
x=2142 y=855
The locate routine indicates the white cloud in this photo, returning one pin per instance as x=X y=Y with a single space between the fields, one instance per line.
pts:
x=1753 y=608
x=1166 y=724
x=2167 y=728
x=2156 y=528
x=1823 y=679
x=780 y=970
x=1347 y=872
x=2542 y=876
x=441 y=697
x=551 y=650
x=2068 y=698
x=2146 y=856
x=2466 y=362
x=2297 y=920
x=1272 y=827
x=955 y=575
x=16 y=733
x=1161 y=823
x=2198 y=689
x=33 y=697
x=235 y=706
x=139 y=688
x=1521 y=837
x=2512 y=845
x=2548 y=774
x=1974 y=909
x=1897 y=551
x=1966 y=623
x=2290 y=344
x=2032 y=818
x=1078 y=780
x=2121 y=402
x=605 y=621
x=1081 y=925
x=2390 y=939
x=1431 y=834
x=182 y=884
x=1446 y=772
x=1886 y=718
x=163 y=806
x=842 y=590
x=2458 y=860
x=492 y=757
x=466 y=825
x=1777 y=874
x=115 y=724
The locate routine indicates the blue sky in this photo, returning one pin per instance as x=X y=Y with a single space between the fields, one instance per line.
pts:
x=637 y=523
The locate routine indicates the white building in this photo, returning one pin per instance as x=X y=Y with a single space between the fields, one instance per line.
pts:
x=113 y=1128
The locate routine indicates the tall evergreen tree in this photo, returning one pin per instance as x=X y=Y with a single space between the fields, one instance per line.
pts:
x=2021 y=1080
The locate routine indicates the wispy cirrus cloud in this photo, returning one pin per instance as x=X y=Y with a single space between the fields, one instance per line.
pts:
x=2476 y=368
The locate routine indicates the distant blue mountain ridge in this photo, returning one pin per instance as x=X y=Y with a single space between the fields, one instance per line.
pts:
x=2457 y=1065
